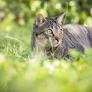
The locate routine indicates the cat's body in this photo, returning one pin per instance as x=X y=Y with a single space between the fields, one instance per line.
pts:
x=75 y=37
x=56 y=39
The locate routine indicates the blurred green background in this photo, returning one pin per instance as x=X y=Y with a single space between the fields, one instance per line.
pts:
x=22 y=11
x=23 y=71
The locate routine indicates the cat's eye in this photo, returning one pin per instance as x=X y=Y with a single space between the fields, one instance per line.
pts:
x=49 y=31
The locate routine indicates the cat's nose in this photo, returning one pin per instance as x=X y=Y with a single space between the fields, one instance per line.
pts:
x=56 y=38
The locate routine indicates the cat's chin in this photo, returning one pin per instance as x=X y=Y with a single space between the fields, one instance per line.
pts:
x=53 y=48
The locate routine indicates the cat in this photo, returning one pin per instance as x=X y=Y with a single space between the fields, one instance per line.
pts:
x=55 y=39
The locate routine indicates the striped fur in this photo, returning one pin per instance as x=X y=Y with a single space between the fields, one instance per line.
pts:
x=70 y=36
x=75 y=37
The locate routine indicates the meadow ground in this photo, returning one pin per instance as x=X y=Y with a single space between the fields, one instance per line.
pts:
x=23 y=71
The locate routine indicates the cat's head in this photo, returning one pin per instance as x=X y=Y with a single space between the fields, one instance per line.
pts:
x=48 y=31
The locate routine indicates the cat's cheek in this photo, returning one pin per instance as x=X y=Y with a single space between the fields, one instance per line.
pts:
x=41 y=43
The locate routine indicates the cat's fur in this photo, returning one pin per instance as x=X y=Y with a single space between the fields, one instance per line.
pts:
x=54 y=38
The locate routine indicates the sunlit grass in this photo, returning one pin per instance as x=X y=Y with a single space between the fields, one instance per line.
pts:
x=51 y=75
x=23 y=71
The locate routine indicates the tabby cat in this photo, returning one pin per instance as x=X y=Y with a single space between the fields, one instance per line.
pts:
x=54 y=38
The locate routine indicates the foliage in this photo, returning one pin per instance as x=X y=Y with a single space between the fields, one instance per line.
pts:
x=20 y=69
x=21 y=11
x=39 y=74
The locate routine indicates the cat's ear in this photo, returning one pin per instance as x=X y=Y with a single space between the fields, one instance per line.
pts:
x=39 y=20
x=60 y=18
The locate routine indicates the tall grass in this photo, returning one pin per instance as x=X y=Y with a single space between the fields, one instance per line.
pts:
x=23 y=71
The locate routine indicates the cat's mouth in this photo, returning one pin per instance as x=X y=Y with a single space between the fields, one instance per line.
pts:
x=52 y=47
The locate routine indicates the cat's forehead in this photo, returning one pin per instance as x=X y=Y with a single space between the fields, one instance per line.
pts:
x=50 y=21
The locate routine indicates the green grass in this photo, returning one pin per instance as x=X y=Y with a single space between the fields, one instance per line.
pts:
x=22 y=71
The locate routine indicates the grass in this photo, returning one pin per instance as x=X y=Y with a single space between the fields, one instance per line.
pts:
x=22 y=71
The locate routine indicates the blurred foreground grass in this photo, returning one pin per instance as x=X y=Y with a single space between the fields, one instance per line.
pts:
x=22 y=71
